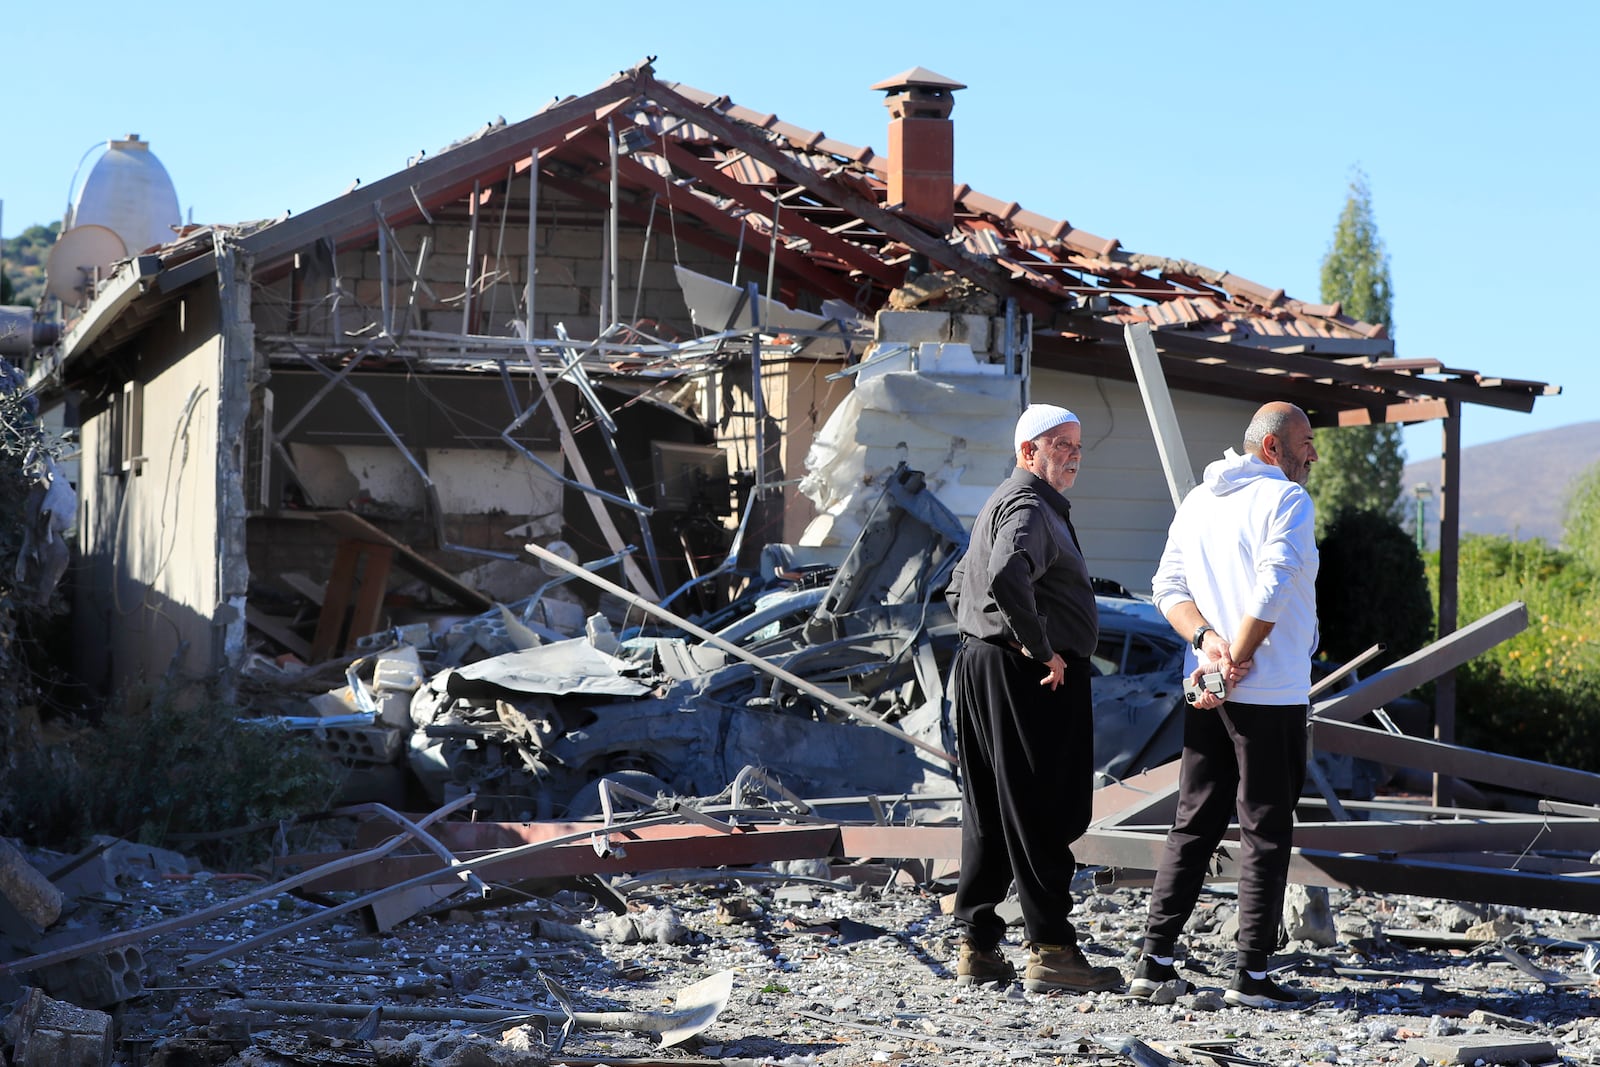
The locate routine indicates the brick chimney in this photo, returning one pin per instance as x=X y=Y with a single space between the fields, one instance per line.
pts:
x=922 y=146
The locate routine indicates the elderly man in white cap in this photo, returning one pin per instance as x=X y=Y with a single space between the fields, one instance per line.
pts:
x=1025 y=605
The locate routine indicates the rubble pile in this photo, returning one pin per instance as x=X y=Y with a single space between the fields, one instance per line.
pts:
x=795 y=963
x=526 y=707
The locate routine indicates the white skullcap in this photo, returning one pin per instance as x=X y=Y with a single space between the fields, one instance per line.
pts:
x=1038 y=419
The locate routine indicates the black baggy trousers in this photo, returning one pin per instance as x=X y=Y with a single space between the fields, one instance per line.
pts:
x=1027 y=767
x=1239 y=759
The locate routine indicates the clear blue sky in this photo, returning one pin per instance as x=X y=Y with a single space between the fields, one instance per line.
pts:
x=1224 y=133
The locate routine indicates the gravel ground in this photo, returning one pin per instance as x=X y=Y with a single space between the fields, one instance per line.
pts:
x=845 y=972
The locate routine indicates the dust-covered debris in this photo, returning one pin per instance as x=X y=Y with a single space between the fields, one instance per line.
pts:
x=843 y=973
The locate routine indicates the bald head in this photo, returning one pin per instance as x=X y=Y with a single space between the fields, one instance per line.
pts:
x=1280 y=434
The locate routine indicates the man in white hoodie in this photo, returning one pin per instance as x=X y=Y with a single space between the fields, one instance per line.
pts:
x=1238 y=581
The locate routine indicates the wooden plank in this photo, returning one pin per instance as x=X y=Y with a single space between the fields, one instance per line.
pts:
x=303 y=585
x=279 y=631
x=368 y=615
x=350 y=525
x=335 y=600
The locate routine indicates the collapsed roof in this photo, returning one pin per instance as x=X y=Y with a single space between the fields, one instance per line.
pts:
x=821 y=216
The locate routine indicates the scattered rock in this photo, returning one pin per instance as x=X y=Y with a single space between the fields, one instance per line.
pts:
x=832 y=978
x=1306 y=916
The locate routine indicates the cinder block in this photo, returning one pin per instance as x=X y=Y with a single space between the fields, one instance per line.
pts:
x=556 y=299
x=98 y=981
x=912 y=326
x=49 y=1033
x=368 y=291
x=449 y=241
x=349 y=264
x=361 y=744
x=572 y=241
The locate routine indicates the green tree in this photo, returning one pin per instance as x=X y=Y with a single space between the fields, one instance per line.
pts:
x=7 y=292
x=1359 y=468
x=1581 y=530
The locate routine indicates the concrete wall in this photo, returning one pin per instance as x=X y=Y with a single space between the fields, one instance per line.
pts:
x=148 y=586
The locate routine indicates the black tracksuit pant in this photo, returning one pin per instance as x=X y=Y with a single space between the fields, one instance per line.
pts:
x=1244 y=759
x=1027 y=766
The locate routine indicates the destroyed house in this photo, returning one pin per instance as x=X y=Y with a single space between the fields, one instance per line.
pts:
x=623 y=323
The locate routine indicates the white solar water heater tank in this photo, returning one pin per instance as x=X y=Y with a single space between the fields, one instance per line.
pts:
x=128 y=192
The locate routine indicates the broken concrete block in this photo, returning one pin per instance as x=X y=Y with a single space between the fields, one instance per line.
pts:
x=1459 y=917
x=912 y=326
x=1489 y=1048
x=49 y=1033
x=399 y=670
x=362 y=744
x=28 y=891
x=335 y=703
x=97 y=981
x=1307 y=916
x=601 y=636
x=1496 y=929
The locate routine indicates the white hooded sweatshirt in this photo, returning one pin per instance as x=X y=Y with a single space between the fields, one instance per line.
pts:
x=1243 y=543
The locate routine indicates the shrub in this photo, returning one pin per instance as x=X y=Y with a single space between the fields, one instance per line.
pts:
x=155 y=766
x=1371 y=587
x=1537 y=695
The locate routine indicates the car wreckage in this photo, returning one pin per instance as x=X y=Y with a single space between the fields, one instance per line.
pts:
x=531 y=731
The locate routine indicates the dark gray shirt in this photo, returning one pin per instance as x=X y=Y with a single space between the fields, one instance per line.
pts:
x=1023 y=577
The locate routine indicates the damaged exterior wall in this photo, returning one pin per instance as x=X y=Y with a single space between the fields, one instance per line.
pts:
x=149 y=578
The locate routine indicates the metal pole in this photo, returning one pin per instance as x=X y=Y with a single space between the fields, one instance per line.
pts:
x=644 y=261
x=385 y=309
x=499 y=249
x=472 y=250
x=758 y=401
x=533 y=243
x=772 y=255
x=611 y=234
x=1444 y=711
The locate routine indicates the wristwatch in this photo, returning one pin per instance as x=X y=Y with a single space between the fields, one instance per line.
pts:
x=1200 y=635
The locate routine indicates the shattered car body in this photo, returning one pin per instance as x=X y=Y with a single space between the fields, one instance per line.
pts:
x=530 y=731
x=531 y=745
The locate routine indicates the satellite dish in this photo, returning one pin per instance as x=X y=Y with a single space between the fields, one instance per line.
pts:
x=83 y=255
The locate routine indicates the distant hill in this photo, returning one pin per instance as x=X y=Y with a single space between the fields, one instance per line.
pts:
x=1517 y=487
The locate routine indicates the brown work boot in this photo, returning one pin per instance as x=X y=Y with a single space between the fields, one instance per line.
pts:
x=1053 y=967
x=975 y=966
